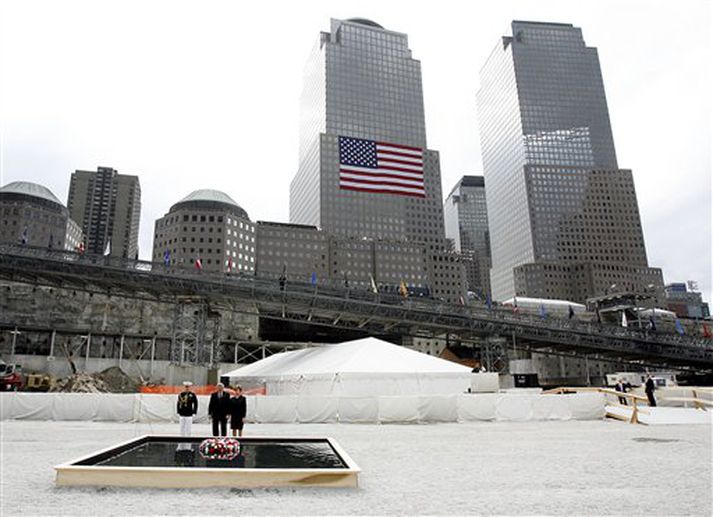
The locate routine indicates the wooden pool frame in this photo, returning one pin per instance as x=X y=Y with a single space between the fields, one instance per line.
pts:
x=71 y=474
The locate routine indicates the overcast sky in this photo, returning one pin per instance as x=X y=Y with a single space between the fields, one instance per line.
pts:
x=205 y=95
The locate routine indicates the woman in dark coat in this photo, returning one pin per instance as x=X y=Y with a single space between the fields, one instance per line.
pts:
x=238 y=410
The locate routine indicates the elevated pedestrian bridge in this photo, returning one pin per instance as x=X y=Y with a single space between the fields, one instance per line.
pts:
x=375 y=314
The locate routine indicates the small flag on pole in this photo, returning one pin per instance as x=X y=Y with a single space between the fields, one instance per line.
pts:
x=373 y=284
x=679 y=327
x=230 y=264
x=199 y=264
x=167 y=257
x=624 y=323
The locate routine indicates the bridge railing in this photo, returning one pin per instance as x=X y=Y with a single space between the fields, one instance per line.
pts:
x=355 y=295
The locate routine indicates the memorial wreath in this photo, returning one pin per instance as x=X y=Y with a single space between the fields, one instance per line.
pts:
x=219 y=448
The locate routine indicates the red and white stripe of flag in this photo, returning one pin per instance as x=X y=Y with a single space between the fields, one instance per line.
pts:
x=399 y=171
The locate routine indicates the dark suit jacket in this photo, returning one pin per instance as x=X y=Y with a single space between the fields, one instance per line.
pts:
x=219 y=406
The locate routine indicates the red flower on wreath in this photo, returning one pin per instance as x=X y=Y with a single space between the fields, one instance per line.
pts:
x=219 y=448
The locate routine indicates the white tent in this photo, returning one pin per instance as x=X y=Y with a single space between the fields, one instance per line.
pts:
x=365 y=367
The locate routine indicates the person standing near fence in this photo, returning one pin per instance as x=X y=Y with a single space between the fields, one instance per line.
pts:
x=238 y=410
x=620 y=386
x=218 y=410
x=186 y=407
x=649 y=390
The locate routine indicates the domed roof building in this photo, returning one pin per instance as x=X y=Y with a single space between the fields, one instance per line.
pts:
x=29 y=190
x=30 y=214
x=206 y=230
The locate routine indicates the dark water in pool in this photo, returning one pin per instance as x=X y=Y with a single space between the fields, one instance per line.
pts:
x=253 y=454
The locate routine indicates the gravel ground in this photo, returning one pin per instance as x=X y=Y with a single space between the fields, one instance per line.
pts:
x=552 y=468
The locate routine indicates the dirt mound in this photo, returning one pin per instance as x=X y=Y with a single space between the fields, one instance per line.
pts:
x=117 y=381
x=111 y=380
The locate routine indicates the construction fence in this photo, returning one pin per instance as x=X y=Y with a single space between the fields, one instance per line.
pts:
x=141 y=407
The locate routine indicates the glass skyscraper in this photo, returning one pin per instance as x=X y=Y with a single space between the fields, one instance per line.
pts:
x=362 y=82
x=564 y=221
x=466 y=219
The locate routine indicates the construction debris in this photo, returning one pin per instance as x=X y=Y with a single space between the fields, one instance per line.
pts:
x=111 y=380
x=80 y=383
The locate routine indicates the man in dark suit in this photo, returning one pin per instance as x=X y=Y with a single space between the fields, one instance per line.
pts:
x=650 y=386
x=238 y=410
x=620 y=386
x=218 y=409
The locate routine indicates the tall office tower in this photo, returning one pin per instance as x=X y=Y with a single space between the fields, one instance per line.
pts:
x=466 y=217
x=107 y=205
x=364 y=166
x=564 y=221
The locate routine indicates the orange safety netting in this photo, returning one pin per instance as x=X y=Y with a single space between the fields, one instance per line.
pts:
x=198 y=390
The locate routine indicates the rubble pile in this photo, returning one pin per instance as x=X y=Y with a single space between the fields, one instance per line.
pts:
x=80 y=383
x=111 y=380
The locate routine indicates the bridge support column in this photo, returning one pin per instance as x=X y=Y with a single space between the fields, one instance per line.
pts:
x=153 y=355
x=86 y=355
x=14 y=342
x=53 y=336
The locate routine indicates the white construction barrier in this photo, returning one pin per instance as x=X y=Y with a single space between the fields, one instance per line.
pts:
x=292 y=408
x=32 y=406
x=6 y=406
x=398 y=409
x=116 y=407
x=477 y=407
x=586 y=406
x=515 y=408
x=552 y=407
x=279 y=409
x=316 y=409
x=75 y=406
x=438 y=408
x=156 y=408
x=358 y=410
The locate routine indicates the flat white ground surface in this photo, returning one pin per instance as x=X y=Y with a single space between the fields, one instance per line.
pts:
x=560 y=468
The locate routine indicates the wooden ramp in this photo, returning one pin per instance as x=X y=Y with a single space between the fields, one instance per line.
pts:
x=696 y=410
x=660 y=415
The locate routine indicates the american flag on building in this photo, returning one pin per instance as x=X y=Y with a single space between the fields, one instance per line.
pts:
x=369 y=166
